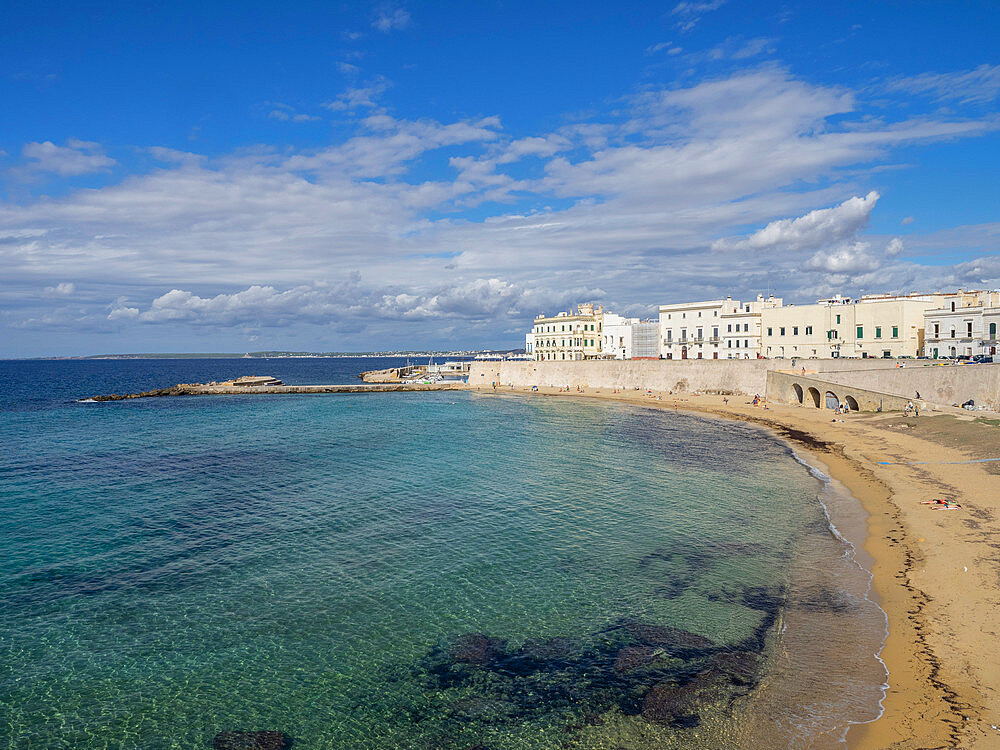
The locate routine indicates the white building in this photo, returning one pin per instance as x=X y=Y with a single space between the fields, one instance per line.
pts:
x=691 y=330
x=965 y=325
x=529 y=343
x=741 y=326
x=617 y=337
x=630 y=338
x=876 y=326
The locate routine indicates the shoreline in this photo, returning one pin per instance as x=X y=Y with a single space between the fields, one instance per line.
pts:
x=944 y=686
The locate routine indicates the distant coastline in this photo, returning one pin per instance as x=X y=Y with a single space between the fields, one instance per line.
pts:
x=281 y=355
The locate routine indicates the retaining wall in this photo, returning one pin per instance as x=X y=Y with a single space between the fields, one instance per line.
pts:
x=936 y=384
x=948 y=384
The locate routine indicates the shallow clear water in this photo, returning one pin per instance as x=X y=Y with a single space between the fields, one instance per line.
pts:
x=433 y=570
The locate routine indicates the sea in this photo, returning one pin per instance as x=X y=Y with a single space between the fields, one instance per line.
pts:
x=467 y=570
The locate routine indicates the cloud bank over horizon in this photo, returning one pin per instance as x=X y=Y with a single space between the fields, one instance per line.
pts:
x=438 y=231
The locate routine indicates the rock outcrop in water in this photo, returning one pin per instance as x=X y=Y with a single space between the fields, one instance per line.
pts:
x=267 y=740
x=659 y=672
x=176 y=390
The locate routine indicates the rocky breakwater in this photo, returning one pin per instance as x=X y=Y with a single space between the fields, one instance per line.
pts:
x=183 y=389
x=264 y=385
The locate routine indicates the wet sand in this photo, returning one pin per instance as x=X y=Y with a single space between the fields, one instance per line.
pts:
x=936 y=573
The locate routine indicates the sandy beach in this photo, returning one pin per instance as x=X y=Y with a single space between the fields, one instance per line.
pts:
x=936 y=572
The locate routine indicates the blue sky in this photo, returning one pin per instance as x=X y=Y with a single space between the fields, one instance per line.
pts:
x=233 y=176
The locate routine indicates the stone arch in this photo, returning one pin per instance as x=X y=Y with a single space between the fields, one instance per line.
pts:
x=852 y=403
x=814 y=396
x=796 y=393
x=830 y=400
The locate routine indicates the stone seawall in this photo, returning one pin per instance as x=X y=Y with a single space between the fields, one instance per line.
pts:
x=748 y=376
x=937 y=384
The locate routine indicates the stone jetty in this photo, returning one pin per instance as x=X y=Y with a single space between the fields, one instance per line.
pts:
x=264 y=384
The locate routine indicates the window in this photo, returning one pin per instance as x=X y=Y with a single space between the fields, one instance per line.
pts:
x=861 y=332
x=699 y=313
x=968 y=329
x=937 y=330
x=715 y=333
x=782 y=331
x=746 y=327
x=809 y=330
x=838 y=318
x=953 y=307
x=795 y=330
x=748 y=308
x=878 y=332
x=737 y=343
x=895 y=332
x=993 y=330
x=729 y=328
x=770 y=331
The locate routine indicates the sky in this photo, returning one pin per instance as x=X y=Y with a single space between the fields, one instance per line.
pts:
x=322 y=176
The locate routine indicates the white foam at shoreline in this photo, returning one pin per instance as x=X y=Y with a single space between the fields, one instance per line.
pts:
x=851 y=555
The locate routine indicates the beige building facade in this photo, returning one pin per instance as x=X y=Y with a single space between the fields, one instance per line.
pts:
x=569 y=336
x=882 y=326
x=741 y=327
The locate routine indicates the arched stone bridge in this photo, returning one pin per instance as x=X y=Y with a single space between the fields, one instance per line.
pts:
x=787 y=387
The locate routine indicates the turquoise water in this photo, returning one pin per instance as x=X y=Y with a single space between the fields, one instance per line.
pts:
x=436 y=570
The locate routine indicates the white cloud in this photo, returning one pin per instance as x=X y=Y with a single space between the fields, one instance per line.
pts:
x=817 y=228
x=460 y=221
x=62 y=289
x=391 y=20
x=906 y=221
x=691 y=11
x=978 y=86
x=359 y=97
x=323 y=304
x=75 y=158
x=670 y=47
x=849 y=259
x=285 y=113
x=736 y=48
x=894 y=248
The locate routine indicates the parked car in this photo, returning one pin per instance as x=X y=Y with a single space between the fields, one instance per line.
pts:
x=983 y=359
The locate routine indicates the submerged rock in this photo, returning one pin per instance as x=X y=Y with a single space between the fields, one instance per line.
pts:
x=632 y=658
x=667 y=637
x=267 y=740
x=668 y=702
x=740 y=666
x=476 y=649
